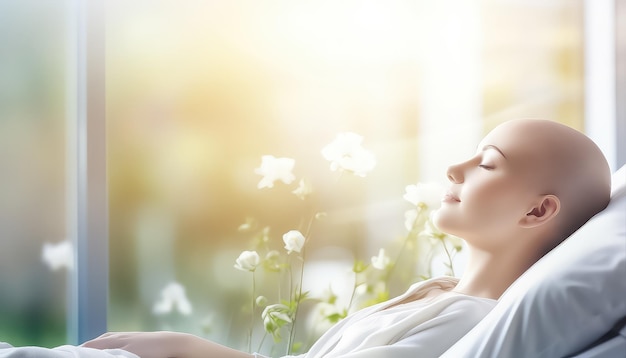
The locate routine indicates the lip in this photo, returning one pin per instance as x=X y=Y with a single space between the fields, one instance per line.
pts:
x=449 y=197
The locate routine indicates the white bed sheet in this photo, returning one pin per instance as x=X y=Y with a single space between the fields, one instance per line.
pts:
x=8 y=351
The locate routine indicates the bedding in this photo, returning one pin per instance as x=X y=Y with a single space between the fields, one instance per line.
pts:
x=8 y=351
x=565 y=302
x=610 y=348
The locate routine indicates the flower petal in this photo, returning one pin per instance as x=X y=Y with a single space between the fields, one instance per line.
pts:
x=273 y=169
x=346 y=153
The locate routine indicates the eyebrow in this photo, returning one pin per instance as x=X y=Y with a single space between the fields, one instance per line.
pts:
x=490 y=146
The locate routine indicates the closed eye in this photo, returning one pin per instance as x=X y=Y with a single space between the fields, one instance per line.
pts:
x=486 y=167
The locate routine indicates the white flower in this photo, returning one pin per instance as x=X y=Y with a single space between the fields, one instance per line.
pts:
x=346 y=153
x=409 y=219
x=173 y=295
x=59 y=255
x=381 y=261
x=428 y=194
x=247 y=261
x=275 y=316
x=273 y=169
x=303 y=190
x=294 y=240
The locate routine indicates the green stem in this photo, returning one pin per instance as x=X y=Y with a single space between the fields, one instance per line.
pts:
x=420 y=209
x=356 y=284
x=262 y=341
x=443 y=242
x=252 y=313
x=292 y=333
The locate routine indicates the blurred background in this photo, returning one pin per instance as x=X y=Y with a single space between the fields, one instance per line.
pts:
x=198 y=91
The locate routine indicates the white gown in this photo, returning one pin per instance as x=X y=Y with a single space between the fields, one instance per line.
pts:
x=425 y=327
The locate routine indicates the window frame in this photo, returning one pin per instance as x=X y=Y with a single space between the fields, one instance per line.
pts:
x=602 y=89
x=87 y=208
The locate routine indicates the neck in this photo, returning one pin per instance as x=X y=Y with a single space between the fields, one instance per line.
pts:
x=488 y=274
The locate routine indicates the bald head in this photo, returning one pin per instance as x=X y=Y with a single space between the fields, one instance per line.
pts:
x=556 y=159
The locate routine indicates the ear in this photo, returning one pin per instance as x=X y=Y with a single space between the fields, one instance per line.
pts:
x=543 y=211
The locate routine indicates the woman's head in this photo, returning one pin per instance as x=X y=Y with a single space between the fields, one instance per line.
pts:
x=529 y=178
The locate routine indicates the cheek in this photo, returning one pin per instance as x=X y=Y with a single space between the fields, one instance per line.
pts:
x=491 y=204
x=498 y=206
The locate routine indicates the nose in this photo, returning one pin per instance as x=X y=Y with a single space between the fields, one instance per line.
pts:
x=455 y=173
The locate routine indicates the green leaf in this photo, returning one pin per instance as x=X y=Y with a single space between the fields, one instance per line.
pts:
x=303 y=296
x=296 y=347
x=359 y=266
x=336 y=317
x=332 y=298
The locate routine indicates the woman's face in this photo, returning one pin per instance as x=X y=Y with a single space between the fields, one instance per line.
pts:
x=489 y=193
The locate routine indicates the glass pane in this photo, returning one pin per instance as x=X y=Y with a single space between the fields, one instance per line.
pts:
x=34 y=254
x=537 y=70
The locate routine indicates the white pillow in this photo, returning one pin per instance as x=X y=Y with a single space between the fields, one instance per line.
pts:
x=567 y=300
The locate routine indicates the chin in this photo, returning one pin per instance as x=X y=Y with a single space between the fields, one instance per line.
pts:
x=439 y=220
